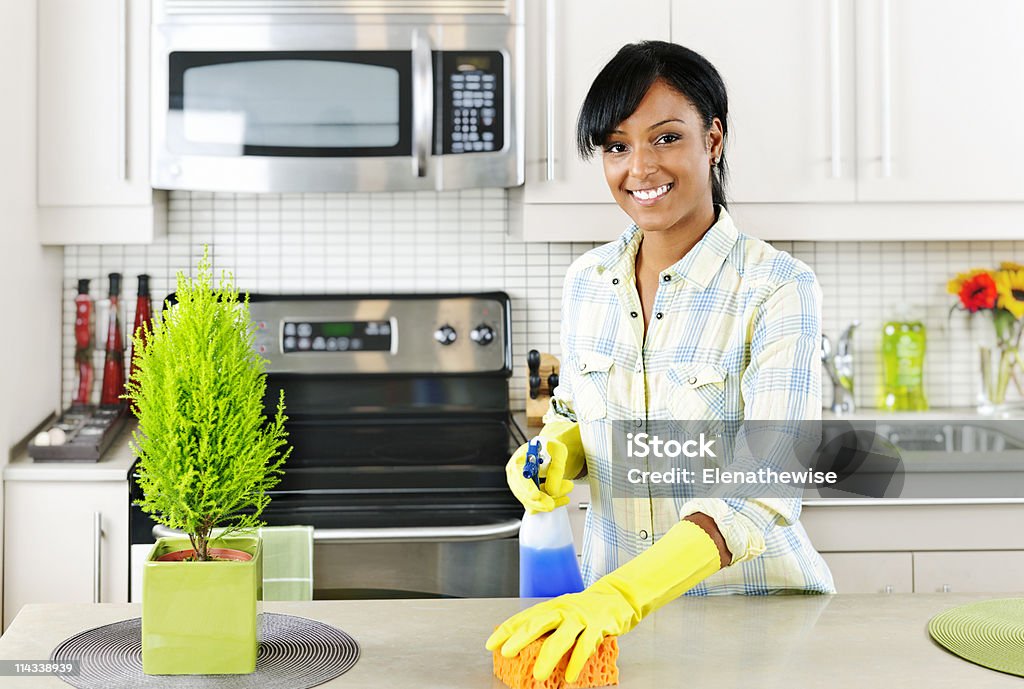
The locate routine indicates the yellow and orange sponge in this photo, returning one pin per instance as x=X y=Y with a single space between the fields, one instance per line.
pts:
x=600 y=670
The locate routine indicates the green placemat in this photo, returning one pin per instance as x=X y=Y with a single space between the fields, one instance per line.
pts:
x=989 y=633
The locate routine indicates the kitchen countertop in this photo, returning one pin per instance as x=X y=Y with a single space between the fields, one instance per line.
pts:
x=113 y=466
x=837 y=641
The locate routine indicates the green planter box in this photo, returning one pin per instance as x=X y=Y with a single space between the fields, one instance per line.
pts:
x=199 y=618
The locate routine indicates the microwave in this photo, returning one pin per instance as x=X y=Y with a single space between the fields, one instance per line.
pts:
x=336 y=95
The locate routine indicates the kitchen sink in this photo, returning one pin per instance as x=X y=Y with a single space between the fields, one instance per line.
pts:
x=953 y=437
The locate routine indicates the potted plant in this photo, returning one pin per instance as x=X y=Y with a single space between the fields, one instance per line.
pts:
x=208 y=454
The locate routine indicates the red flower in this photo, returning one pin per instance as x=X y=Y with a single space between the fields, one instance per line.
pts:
x=979 y=292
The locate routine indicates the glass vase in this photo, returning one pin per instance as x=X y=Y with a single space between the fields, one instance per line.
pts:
x=999 y=368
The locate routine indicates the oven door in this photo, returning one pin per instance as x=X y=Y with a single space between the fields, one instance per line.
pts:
x=478 y=560
x=334 y=105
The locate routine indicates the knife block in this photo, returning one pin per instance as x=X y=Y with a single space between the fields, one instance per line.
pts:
x=536 y=408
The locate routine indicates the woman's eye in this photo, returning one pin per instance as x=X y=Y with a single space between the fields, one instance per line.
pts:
x=668 y=138
x=614 y=148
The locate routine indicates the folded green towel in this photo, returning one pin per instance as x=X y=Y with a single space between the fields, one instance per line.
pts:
x=287 y=562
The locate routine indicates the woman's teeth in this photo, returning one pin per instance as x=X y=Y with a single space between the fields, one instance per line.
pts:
x=651 y=194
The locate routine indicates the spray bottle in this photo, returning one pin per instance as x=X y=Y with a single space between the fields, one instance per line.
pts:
x=547 y=557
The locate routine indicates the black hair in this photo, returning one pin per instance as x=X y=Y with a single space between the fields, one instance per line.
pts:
x=622 y=83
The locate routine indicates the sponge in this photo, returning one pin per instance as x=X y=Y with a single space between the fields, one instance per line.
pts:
x=600 y=670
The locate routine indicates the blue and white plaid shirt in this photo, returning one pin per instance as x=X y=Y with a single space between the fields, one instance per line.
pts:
x=734 y=336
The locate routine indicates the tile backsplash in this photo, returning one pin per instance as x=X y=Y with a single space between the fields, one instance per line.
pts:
x=459 y=241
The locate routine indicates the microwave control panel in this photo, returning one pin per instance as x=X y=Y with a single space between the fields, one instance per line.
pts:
x=473 y=101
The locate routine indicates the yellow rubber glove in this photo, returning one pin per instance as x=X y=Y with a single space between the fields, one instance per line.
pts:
x=563 y=446
x=613 y=604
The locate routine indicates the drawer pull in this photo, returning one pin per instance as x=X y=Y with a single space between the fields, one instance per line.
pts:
x=584 y=506
x=888 y=588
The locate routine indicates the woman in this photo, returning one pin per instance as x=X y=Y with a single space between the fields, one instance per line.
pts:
x=682 y=317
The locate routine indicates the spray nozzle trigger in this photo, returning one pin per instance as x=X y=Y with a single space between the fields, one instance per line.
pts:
x=531 y=468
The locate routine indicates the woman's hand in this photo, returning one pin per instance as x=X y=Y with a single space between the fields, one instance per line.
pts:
x=614 y=604
x=580 y=622
x=554 y=491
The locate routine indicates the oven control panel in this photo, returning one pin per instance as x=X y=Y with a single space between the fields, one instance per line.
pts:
x=383 y=334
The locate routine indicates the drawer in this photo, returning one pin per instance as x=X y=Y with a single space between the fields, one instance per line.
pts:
x=891 y=572
x=979 y=571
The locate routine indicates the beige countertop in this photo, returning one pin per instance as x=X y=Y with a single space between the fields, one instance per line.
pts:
x=729 y=641
x=113 y=466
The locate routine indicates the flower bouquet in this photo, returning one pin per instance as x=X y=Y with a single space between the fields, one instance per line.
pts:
x=1001 y=293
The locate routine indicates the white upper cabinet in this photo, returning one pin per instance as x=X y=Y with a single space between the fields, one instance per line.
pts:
x=569 y=43
x=93 y=114
x=940 y=89
x=849 y=119
x=788 y=68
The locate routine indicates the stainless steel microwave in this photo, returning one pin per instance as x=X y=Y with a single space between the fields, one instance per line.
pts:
x=337 y=95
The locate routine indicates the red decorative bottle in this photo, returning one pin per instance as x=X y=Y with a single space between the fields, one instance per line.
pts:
x=83 y=344
x=113 y=364
x=143 y=320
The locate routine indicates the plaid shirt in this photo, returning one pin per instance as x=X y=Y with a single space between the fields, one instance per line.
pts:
x=735 y=335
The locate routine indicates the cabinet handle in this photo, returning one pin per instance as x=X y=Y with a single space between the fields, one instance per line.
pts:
x=422 y=100
x=584 y=506
x=886 y=58
x=122 y=90
x=946 y=588
x=97 y=554
x=888 y=588
x=836 y=92
x=549 y=86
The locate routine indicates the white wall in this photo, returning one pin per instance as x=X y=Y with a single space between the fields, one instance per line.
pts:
x=30 y=284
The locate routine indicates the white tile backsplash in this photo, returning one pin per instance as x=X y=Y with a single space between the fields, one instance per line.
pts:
x=458 y=241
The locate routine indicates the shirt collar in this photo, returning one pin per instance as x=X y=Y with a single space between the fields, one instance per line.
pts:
x=698 y=266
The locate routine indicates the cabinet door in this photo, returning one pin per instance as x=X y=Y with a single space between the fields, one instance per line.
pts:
x=871 y=572
x=789 y=69
x=50 y=543
x=983 y=571
x=93 y=103
x=940 y=98
x=583 y=36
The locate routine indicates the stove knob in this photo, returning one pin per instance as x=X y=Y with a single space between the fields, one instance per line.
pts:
x=482 y=334
x=445 y=334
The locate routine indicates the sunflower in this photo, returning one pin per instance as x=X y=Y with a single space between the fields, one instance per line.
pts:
x=1010 y=265
x=956 y=284
x=1010 y=286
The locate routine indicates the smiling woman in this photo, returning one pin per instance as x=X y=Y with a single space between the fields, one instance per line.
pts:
x=681 y=319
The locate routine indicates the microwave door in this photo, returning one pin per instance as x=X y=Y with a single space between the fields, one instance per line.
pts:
x=281 y=121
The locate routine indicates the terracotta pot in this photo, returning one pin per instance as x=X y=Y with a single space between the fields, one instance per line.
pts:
x=215 y=554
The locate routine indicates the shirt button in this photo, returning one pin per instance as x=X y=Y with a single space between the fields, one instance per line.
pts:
x=615 y=281
x=666 y=278
x=639 y=423
x=659 y=315
x=583 y=366
x=643 y=534
x=632 y=314
x=639 y=368
x=692 y=380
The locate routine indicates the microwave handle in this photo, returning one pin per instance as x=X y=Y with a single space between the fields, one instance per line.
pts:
x=422 y=101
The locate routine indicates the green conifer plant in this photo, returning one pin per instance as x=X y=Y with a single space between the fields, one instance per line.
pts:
x=208 y=454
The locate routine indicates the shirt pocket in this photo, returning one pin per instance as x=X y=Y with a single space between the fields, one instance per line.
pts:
x=696 y=392
x=591 y=389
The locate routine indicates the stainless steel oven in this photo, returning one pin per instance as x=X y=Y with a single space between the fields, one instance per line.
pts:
x=337 y=95
x=400 y=426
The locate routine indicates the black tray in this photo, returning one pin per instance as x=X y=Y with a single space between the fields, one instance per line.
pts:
x=89 y=432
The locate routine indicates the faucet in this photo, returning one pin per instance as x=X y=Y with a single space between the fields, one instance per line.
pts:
x=839 y=365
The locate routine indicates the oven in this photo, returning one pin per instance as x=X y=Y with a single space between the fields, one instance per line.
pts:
x=399 y=420
x=336 y=95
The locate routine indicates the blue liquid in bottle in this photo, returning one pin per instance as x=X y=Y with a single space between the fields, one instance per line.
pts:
x=548 y=572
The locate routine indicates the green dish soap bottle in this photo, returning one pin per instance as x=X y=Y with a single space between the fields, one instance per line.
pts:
x=903 y=348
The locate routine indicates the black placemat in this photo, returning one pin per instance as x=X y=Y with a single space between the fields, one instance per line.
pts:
x=294 y=653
